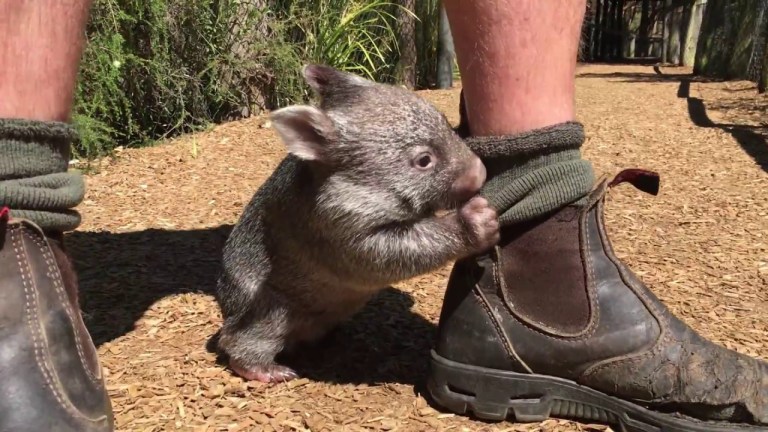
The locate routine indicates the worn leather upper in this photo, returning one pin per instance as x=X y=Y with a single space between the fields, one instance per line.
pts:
x=49 y=371
x=552 y=298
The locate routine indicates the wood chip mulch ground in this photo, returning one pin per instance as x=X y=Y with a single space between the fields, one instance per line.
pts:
x=156 y=218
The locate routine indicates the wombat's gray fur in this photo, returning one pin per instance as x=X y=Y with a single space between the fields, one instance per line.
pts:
x=349 y=211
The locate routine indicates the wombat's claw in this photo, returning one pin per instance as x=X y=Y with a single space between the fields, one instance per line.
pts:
x=266 y=374
x=482 y=222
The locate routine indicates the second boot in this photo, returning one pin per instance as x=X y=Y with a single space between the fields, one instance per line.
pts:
x=551 y=323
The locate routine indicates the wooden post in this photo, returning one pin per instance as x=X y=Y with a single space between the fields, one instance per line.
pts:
x=406 y=69
x=665 y=31
x=610 y=38
x=644 y=32
x=591 y=34
x=685 y=25
x=605 y=39
x=598 y=32
x=445 y=51
x=619 y=29
x=692 y=32
x=762 y=81
x=756 y=60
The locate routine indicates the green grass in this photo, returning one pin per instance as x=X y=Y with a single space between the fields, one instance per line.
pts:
x=154 y=69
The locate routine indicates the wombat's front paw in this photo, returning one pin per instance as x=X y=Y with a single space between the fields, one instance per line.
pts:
x=481 y=222
x=271 y=373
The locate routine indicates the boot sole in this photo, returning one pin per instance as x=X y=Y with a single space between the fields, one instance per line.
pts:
x=497 y=395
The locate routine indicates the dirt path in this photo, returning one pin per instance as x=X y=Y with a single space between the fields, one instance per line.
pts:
x=154 y=220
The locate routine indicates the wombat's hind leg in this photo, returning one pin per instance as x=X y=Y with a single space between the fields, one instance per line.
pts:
x=252 y=349
x=267 y=373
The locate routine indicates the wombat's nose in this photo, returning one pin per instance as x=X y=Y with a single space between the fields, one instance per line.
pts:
x=470 y=181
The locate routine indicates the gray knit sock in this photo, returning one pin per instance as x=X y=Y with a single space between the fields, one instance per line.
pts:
x=534 y=173
x=34 y=182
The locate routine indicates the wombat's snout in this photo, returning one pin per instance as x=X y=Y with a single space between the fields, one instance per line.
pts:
x=470 y=181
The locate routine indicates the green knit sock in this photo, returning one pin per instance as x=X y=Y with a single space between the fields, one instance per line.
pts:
x=34 y=182
x=534 y=173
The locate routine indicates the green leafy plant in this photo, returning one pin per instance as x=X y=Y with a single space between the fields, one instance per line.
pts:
x=158 y=68
x=356 y=36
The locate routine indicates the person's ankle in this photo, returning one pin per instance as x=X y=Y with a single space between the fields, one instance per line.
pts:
x=35 y=181
x=534 y=173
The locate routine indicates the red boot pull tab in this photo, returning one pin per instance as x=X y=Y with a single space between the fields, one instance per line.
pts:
x=646 y=181
x=5 y=214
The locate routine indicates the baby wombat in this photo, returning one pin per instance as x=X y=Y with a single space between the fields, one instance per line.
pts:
x=349 y=211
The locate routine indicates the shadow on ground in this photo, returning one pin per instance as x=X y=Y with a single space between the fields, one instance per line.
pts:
x=385 y=343
x=655 y=75
x=752 y=139
x=122 y=275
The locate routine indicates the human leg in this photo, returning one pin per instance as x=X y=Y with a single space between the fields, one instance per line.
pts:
x=40 y=47
x=48 y=363
x=551 y=322
x=532 y=88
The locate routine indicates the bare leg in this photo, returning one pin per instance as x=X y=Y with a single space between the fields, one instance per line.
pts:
x=557 y=306
x=41 y=42
x=517 y=60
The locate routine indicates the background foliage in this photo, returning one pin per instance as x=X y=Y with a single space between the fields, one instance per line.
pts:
x=156 y=68
x=733 y=41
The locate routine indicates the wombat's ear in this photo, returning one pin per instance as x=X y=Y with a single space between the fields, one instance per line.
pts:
x=323 y=79
x=305 y=130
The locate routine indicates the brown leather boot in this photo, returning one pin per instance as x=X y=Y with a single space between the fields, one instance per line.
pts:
x=551 y=323
x=50 y=377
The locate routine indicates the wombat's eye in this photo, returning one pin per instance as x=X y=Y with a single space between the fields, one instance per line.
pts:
x=423 y=161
